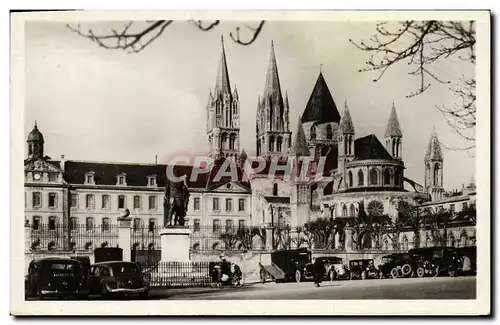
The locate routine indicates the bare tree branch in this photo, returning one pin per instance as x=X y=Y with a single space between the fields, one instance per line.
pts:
x=254 y=34
x=421 y=44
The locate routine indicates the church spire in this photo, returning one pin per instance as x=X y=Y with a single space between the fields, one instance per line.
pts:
x=222 y=85
x=272 y=88
x=434 y=151
x=300 y=147
x=346 y=125
x=393 y=129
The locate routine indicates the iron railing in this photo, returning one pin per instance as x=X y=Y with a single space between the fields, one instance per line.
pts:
x=178 y=274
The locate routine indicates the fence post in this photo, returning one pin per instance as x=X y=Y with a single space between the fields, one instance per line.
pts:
x=124 y=236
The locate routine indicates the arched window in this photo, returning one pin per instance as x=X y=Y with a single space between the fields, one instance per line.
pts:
x=329 y=132
x=397 y=177
x=223 y=141
x=333 y=211
x=436 y=174
x=271 y=143
x=313 y=132
x=387 y=176
x=361 y=178
x=346 y=144
x=349 y=176
x=235 y=109
x=217 y=107
x=427 y=242
x=405 y=243
x=393 y=146
x=232 y=139
x=463 y=239
x=373 y=177
x=352 y=211
x=278 y=144
x=451 y=242
x=275 y=189
x=344 y=211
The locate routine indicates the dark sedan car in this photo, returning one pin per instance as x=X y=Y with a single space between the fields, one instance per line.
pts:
x=55 y=277
x=117 y=278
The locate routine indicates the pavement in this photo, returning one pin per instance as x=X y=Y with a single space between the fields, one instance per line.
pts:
x=406 y=288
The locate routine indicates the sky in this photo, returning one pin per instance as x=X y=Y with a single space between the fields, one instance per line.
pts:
x=95 y=104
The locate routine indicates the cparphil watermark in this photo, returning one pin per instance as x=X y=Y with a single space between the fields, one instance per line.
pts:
x=198 y=168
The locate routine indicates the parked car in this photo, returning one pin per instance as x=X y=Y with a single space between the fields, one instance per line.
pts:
x=440 y=260
x=55 y=277
x=397 y=265
x=117 y=278
x=362 y=269
x=469 y=257
x=286 y=265
x=334 y=268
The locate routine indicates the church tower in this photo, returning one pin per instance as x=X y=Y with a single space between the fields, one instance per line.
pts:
x=223 y=115
x=273 y=126
x=345 y=142
x=394 y=136
x=35 y=144
x=434 y=168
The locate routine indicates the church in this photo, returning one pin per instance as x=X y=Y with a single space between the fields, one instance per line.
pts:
x=350 y=172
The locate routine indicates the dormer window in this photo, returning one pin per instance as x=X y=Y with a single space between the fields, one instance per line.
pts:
x=121 y=180
x=152 y=180
x=89 y=178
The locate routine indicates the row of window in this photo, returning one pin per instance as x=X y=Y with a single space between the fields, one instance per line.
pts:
x=217 y=226
x=37 y=200
x=440 y=208
x=52 y=177
x=106 y=201
x=120 y=179
x=374 y=178
x=329 y=132
x=229 y=204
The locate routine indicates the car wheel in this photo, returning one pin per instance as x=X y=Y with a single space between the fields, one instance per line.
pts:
x=394 y=273
x=104 y=292
x=420 y=272
x=298 y=276
x=363 y=275
x=406 y=270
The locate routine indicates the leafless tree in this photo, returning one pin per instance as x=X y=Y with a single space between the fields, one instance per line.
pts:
x=133 y=39
x=422 y=45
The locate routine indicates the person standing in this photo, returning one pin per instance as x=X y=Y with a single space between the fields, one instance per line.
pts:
x=319 y=271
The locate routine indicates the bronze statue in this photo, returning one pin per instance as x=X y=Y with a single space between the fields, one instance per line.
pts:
x=175 y=201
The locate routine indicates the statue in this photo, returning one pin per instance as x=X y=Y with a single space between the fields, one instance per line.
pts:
x=175 y=202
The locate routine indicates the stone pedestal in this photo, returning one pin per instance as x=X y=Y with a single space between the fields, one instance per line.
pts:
x=175 y=244
x=124 y=237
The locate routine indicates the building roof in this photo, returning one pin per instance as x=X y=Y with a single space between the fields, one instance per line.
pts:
x=278 y=199
x=35 y=135
x=299 y=146
x=434 y=151
x=346 y=125
x=369 y=147
x=393 y=129
x=222 y=85
x=321 y=106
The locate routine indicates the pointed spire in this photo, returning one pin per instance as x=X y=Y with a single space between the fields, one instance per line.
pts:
x=36 y=126
x=346 y=125
x=243 y=154
x=434 y=151
x=320 y=106
x=286 y=100
x=393 y=129
x=222 y=85
x=235 y=92
x=300 y=147
x=272 y=88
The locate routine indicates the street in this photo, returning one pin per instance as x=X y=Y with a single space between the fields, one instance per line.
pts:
x=410 y=288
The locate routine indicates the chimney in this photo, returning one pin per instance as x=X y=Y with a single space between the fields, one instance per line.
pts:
x=156 y=159
x=63 y=161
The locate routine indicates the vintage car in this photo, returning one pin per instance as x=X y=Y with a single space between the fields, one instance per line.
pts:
x=469 y=257
x=286 y=265
x=437 y=260
x=55 y=277
x=397 y=265
x=334 y=269
x=362 y=269
x=117 y=278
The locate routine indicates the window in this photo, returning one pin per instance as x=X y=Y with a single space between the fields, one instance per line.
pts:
x=387 y=176
x=215 y=202
x=89 y=178
x=349 y=175
x=463 y=239
x=241 y=224
x=73 y=223
x=151 y=225
x=436 y=174
x=89 y=201
x=361 y=178
x=197 y=225
x=216 y=225
x=452 y=241
x=137 y=202
x=275 y=189
x=271 y=143
x=329 y=132
x=196 y=203
x=137 y=224
x=37 y=199
x=152 y=180
x=229 y=225
x=105 y=224
x=313 y=133
x=89 y=224
x=464 y=206
x=352 y=211
x=440 y=209
x=397 y=177
x=452 y=207
x=344 y=211
x=152 y=203
x=52 y=200
x=278 y=144
x=52 y=223
x=229 y=205
x=373 y=177
x=241 y=205
x=36 y=223
x=106 y=202
x=121 y=201
x=74 y=200
x=52 y=177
